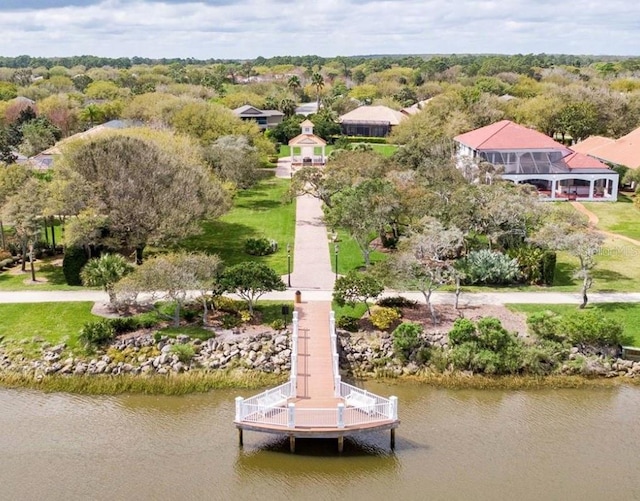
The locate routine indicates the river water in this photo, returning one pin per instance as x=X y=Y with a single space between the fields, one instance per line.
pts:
x=465 y=444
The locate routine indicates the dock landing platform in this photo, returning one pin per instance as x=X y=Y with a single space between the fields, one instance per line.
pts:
x=315 y=402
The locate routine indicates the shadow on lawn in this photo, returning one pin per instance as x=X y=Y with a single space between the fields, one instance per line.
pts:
x=224 y=239
x=260 y=205
x=564 y=274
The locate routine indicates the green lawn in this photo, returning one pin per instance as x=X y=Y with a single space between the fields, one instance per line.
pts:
x=349 y=254
x=54 y=322
x=627 y=313
x=257 y=212
x=618 y=217
x=384 y=149
x=51 y=276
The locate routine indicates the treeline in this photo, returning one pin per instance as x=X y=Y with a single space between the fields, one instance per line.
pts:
x=473 y=64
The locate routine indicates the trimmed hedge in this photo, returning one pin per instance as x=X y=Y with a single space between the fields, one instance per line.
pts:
x=74 y=260
x=361 y=139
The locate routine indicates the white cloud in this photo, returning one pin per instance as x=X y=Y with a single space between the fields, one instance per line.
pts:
x=247 y=29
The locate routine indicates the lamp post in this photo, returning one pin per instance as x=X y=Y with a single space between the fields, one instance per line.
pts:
x=336 y=249
x=289 y=265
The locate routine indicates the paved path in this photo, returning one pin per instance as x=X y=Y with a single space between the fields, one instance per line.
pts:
x=466 y=298
x=311 y=258
x=283 y=168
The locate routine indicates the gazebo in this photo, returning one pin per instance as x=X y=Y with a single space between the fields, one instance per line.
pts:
x=307 y=149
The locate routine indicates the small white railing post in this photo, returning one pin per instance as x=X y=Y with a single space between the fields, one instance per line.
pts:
x=291 y=421
x=340 y=415
x=336 y=384
x=239 y=401
x=294 y=322
x=393 y=408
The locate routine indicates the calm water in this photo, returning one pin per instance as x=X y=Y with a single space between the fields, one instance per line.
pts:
x=567 y=444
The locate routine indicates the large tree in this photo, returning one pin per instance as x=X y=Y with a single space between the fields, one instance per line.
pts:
x=365 y=210
x=580 y=241
x=12 y=178
x=149 y=192
x=251 y=280
x=172 y=276
x=425 y=260
x=234 y=159
x=355 y=287
x=24 y=211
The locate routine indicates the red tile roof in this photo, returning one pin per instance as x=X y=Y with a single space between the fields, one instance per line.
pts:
x=581 y=161
x=623 y=151
x=592 y=142
x=506 y=135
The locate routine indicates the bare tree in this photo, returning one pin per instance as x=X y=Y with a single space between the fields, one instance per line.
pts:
x=425 y=261
x=581 y=242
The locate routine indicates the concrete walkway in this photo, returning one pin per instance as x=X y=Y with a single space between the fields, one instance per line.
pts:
x=466 y=298
x=311 y=258
x=311 y=255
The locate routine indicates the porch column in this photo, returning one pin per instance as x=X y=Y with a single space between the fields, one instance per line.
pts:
x=614 y=189
x=591 y=187
x=554 y=188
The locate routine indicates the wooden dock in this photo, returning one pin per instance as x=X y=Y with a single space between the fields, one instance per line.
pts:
x=315 y=403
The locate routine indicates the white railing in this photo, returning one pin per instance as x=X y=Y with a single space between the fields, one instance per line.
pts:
x=266 y=407
x=358 y=406
x=367 y=407
x=335 y=358
x=293 y=376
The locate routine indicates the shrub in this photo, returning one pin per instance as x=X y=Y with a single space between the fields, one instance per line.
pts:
x=548 y=267
x=348 y=323
x=74 y=260
x=360 y=139
x=226 y=304
x=544 y=324
x=260 y=246
x=124 y=324
x=397 y=302
x=229 y=321
x=96 y=333
x=591 y=328
x=406 y=338
x=4 y=255
x=189 y=314
x=277 y=324
x=530 y=263
x=383 y=318
x=485 y=347
x=488 y=267
x=185 y=352
x=463 y=330
x=543 y=358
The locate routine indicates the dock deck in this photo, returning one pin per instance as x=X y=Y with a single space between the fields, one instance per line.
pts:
x=315 y=403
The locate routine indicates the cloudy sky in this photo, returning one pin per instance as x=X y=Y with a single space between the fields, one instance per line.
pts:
x=243 y=29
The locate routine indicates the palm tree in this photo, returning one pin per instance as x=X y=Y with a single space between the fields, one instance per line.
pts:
x=288 y=107
x=318 y=82
x=105 y=272
x=294 y=84
x=92 y=114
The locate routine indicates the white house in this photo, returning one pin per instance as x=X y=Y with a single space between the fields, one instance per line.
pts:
x=527 y=156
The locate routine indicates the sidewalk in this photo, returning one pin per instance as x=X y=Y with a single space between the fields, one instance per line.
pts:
x=311 y=258
x=325 y=294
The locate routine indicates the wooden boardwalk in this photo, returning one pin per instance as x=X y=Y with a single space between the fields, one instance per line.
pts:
x=315 y=403
x=314 y=378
